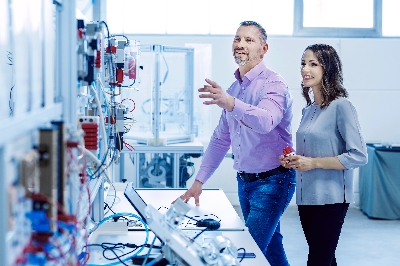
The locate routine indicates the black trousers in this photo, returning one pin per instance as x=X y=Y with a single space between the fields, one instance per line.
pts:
x=322 y=225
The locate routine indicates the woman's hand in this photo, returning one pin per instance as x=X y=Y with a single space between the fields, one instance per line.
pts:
x=297 y=162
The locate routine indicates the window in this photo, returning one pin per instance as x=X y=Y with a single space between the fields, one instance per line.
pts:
x=323 y=18
x=128 y=16
x=197 y=17
x=275 y=16
x=390 y=18
x=338 y=13
x=338 y=18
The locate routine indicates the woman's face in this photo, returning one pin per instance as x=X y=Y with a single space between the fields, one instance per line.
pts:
x=311 y=70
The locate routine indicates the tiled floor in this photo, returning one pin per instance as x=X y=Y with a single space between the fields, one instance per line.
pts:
x=364 y=241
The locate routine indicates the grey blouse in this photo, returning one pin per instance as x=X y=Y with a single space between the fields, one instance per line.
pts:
x=333 y=131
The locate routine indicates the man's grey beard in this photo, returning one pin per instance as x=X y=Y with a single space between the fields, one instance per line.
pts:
x=242 y=62
x=248 y=59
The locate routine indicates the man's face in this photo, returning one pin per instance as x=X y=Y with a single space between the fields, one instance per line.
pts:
x=247 y=46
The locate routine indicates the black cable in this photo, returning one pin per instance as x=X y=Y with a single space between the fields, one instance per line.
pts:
x=113 y=246
x=127 y=40
x=106 y=167
x=244 y=253
x=210 y=223
x=108 y=32
x=101 y=163
x=126 y=130
x=148 y=252
x=11 y=63
x=108 y=206
x=115 y=196
x=9 y=102
x=191 y=165
x=166 y=72
x=191 y=218
x=109 y=44
x=9 y=57
x=202 y=231
x=116 y=256
x=118 y=217
x=130 y=85
x=162 y=99
x=219 y=220
x=193 y=171
x=181 y=179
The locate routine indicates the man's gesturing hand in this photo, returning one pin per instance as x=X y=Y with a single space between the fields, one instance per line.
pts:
x=217 y=95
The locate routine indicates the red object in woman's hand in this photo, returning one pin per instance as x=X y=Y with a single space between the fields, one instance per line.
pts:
x=288 y=151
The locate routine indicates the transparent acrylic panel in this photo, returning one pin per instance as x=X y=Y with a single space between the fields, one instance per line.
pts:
x=143 y=97
x=6 y=62
x=175 y=108
x=164 y=102
x=21 y=93
x=36 y=42
x=338 y=13
x=49 y=57
x=201 y=123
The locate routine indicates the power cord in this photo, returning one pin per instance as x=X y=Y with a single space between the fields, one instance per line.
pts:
x=118 y=246
x=112 y=204
x=209 y=223
x=129 y=222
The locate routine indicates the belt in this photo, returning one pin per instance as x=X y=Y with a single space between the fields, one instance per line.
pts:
x=251 y=177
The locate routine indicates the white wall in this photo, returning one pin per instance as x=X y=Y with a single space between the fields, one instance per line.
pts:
x=371 y=75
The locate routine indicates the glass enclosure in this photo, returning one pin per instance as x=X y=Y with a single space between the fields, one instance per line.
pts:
x=164 y=101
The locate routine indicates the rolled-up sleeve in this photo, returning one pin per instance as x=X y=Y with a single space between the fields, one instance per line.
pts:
x=350 y=130
x=219 y=144
x=268 y=112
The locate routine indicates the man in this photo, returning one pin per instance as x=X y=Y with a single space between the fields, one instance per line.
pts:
x=256 y=122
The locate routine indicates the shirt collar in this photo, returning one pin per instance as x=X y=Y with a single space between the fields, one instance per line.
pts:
x=251 y=75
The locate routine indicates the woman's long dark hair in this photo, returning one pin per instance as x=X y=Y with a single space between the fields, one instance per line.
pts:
x=332 y=78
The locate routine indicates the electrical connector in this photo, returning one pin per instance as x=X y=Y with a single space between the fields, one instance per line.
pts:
x=40 y=221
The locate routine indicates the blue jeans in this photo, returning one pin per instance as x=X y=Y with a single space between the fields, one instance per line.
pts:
x=263 y=202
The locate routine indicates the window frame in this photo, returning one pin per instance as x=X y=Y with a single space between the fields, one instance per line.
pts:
x=300 y=31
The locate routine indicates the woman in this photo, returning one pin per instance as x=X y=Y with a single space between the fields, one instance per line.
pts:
x=329 y=146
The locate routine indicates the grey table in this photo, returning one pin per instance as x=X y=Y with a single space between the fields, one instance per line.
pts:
x=380 y=183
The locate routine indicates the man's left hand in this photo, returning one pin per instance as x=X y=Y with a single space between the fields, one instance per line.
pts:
x=217 y=95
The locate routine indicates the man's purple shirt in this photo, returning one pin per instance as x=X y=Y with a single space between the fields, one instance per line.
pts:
x=258 y=128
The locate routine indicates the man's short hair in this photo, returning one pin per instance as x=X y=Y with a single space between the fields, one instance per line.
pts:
x=262 y=34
